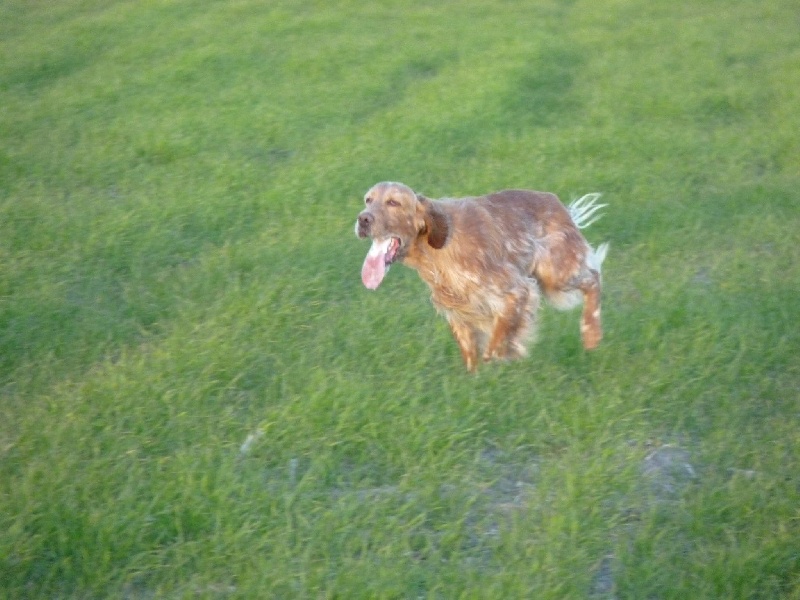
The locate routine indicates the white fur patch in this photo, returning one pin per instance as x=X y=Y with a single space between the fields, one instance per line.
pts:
x=565 y=300
x=379 y=247
x=596 y=257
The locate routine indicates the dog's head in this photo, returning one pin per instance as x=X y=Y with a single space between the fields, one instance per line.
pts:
x=396 y=218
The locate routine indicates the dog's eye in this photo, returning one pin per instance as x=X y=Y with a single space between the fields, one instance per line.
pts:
x=392 y=202
x=368 y=200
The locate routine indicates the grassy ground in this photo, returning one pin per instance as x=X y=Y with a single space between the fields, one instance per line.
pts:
x=199 y=398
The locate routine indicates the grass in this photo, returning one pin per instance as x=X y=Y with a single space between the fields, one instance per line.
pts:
x=199 y=398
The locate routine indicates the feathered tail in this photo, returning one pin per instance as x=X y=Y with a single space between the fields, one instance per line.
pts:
x=585 y=211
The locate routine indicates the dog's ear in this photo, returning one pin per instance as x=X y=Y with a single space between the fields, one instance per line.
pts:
x=436 y=225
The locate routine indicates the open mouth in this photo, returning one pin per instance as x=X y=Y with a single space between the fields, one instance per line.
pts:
x=391 y=252
x=381 y=255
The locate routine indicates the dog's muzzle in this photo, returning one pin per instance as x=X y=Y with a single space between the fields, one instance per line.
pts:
x=364 y=224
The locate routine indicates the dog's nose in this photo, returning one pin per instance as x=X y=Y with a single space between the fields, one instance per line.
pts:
x=365 y=221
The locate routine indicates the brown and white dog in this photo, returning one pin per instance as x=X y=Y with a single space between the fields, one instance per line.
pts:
x=487 y=259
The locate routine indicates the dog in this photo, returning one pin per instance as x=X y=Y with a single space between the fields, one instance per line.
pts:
x=488 y=260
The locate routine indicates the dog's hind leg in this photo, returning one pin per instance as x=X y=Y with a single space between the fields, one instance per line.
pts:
x=591 y=327
x=590 y=286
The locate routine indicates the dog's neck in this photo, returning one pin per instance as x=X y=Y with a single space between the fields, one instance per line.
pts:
x=451 y=287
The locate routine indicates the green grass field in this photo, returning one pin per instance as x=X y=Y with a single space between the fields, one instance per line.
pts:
x=201 y=400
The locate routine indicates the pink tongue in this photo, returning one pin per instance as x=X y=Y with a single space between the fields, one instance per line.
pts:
x=375 y=264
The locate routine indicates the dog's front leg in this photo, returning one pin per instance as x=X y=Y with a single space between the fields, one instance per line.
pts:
x=465 y=337
x=507 y=324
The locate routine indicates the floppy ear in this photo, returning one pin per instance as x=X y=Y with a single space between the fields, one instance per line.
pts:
x=437 y=225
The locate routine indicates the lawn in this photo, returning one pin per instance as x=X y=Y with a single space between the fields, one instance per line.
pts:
x=199 y=399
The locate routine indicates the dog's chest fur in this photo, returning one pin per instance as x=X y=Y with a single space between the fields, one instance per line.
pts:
x=494 y=256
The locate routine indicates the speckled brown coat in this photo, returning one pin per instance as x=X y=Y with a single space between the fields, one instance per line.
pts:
x=487 y=260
